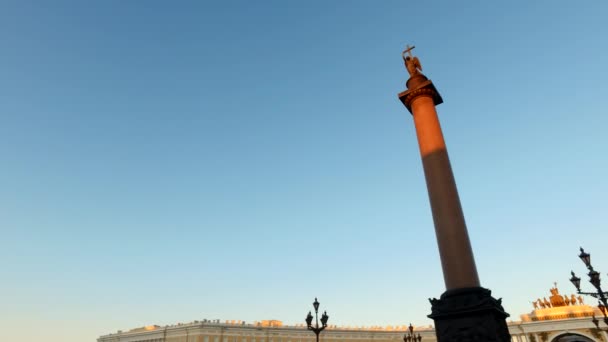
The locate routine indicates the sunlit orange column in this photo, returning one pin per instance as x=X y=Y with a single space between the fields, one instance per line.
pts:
x=459 y=270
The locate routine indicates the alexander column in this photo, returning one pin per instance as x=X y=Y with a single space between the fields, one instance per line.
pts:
x=465 y=311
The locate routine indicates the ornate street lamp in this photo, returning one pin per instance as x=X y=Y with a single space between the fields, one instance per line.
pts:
x=594 y=279
x=410 y=336
x=317 y=329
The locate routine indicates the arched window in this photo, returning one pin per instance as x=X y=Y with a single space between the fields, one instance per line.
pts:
x=571 y=337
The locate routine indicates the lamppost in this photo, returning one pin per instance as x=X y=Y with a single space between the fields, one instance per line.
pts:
x=410 y=336
x=317 y=329
x=594 y=279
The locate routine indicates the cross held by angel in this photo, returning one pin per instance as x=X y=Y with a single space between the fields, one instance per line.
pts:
x=412 y=63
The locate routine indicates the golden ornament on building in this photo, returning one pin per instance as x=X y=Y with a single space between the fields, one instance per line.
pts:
x=558 y=307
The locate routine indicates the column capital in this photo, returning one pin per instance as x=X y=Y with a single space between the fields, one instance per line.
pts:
x=420 y=88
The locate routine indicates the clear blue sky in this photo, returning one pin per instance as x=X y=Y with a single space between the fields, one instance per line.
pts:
x=164 y=162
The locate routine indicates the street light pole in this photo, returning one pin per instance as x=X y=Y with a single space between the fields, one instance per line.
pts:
x=594 y=279
x=410 y=336
x=317 y=329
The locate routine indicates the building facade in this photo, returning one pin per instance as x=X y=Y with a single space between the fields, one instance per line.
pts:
x=559 y=319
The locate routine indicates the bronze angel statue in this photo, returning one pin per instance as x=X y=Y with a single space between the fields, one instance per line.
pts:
x=412 y=63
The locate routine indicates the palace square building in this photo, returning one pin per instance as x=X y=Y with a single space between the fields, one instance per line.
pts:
x=560 y=318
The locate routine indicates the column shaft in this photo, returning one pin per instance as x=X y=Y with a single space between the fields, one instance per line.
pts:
x=457 y=260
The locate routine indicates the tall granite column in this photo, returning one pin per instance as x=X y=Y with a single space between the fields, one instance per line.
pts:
x=465 y=311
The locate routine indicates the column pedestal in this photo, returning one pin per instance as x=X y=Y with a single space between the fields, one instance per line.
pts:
x=469 y=314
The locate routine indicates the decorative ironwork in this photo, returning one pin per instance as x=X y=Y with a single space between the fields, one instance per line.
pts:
x=410 y=336
x=324 y=318
x=594 y=279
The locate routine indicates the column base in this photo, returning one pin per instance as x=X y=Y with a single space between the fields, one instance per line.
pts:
x=469 y=315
